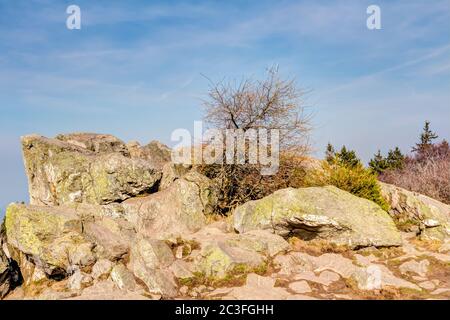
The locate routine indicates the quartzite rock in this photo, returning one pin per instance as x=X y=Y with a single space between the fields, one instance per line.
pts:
x=175 y=211
x=320 y=213
x=408 y=208
x=50 y=236
x=62 y=172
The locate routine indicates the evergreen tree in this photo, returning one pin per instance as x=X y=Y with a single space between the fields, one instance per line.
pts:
x=395 y=159
x=330 y=153
x=348 y=158
x=378 y=163
x=426 y=139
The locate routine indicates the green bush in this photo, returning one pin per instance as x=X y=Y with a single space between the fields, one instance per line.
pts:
x=237 y=184
x=345 y=171
x=357 y=180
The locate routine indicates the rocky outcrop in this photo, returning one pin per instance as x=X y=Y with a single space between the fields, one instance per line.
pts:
x=415 y=212
x=80 y=227
x=89 y=170
x=52 y=237
x=65 y=238
x=110 y=220
x=177 y=210
x=149 y=261
x=156 y=153
x=320 y=213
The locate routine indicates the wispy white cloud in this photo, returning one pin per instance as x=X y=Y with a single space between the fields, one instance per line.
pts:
x=131 y=67
x=377 y=75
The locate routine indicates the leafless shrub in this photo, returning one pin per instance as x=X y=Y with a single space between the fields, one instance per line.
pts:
x=431 y=178
x=271 y=103
x=426 y=172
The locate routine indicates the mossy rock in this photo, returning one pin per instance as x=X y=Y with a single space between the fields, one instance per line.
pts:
x=61 y=172
x=326 y=213
x=50 y=236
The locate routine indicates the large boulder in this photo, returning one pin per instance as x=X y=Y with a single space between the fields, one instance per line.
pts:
x=51 y=237
x=123 y=278
x=179 y=209
x=149 y=261
x=107 y=227
x=47 y=235
x=66 y=170
x=155 y=152
x=411 y=210
x=219 y=259
x=326 y=213
x=111 y=236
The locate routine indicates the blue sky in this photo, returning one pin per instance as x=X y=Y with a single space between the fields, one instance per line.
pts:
x=135 y=68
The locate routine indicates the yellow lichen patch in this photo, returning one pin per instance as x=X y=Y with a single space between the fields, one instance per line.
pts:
x=382 y=253
x=427 y=244
x=51 y=235
x=234 y=278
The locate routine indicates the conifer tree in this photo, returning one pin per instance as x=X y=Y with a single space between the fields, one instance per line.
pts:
x=395 y=159
x=330 y=153
x=426 y=139
x=348 y=158
x=378 y=163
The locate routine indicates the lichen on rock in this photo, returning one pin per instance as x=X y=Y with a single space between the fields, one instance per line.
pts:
x=51 y=237
x=62 y=172
x=416 y=212
x=320 y=213
x=110 y=220
x=179 y=209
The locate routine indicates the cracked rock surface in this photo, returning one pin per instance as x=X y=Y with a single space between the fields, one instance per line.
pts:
x=114 y=220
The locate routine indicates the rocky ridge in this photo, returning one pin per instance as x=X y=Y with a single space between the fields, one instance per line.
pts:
x=115 y=220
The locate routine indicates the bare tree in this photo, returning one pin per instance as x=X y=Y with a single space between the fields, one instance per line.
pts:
x=271 y=103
